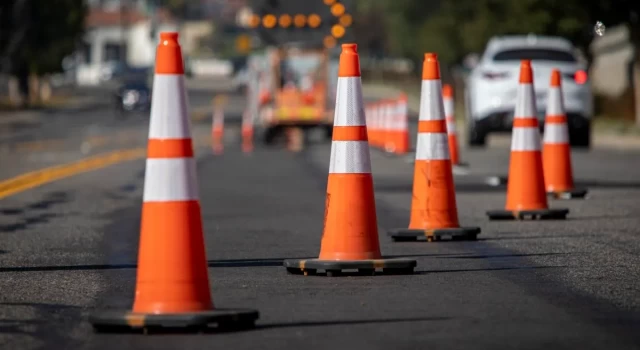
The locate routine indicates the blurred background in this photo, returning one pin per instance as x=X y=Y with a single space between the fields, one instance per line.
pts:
x=50 y=50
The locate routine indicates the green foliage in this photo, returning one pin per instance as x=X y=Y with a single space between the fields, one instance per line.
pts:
x=455 y=28
x=39 y=34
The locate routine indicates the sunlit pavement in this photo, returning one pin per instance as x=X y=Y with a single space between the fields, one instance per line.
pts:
x=70 y=246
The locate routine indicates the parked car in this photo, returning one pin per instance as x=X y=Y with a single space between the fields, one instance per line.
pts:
x=492 y=85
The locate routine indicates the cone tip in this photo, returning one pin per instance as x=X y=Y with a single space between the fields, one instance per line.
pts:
x=169 y=54
x=350 y=48
x=555 y=78
x=431 y=67
x=526 y=75
x=349 y=61
x=447 y=90
x=166 y=37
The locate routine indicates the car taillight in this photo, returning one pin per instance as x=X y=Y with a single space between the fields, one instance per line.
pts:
x=495 y=75
x=580 y=77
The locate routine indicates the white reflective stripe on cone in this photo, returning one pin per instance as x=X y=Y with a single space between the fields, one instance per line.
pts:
x=169 y=113
x=451 y=127
x=431 y=105
x=556 y=133
x=349 y=94
x=394 y=117
x=350 y=157
x=432 y=146
x=525 y=102
x=374 y=117
x=525 y=139
x=448 y=106
x=367 y=115
x=555 y=104
x=218 y=118
x=170 y=179
x=403 y=123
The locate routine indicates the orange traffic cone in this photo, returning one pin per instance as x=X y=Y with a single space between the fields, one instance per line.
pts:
x=526 y=196
x=217 y=130
x=449 y=112
x=368 y=111
x=401 y=126
x=172 y=286
x=247 y=132
x=389 y=118
x=377 y=125
x=350 y=236
x=556 y=150
x=434 y=213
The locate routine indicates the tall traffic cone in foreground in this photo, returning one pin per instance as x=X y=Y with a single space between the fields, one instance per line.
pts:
x=449 y=112
x=556 y=150
x=217 y=129
x=247 y=132
x=434 y=213
x=172 y=286
x=350 y=235
x=526 y=196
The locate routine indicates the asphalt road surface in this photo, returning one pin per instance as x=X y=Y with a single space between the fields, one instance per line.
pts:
x=69 y=247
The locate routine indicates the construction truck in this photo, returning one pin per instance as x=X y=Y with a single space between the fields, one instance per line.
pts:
x=297 y=91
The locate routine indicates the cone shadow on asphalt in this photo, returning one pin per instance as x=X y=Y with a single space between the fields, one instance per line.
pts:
x=497 y=181
x=271 y=262
x=348 y=322
x=211 y=263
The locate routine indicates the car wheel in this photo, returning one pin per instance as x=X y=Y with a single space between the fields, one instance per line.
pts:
x=476 y=136
x=580 y=137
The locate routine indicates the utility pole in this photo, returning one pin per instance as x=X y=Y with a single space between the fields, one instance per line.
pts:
x=123 y=32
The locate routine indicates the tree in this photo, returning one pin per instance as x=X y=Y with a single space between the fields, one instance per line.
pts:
x=455 y=28
x=37 y=35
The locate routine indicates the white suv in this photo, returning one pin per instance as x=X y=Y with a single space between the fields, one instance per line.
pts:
x=490 y=95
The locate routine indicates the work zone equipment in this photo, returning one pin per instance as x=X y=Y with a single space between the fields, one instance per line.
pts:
x=526 y=195
x=556 y=150
x=388 y=124
x=434 y=212
x=449 y=112
x=350 y=235
x=172 y=284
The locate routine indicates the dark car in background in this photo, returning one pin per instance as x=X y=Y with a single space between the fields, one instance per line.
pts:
x=133 y=94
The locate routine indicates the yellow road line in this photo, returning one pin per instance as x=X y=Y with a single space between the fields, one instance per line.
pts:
x=40 y=177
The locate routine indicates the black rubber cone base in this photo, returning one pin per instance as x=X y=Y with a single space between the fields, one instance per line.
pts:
x=541 y=214
x=344 y=267
x=454 y=234
x=215 y=320
x=576 y=193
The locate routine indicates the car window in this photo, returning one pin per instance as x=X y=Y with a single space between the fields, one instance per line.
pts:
x=534 y=54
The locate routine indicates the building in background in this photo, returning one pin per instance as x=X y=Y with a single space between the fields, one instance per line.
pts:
x=122 y=35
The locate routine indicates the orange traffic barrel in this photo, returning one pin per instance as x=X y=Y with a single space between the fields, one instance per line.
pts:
x=350 y=235
x=526 y=195
x=434 y=212
x=172 y=284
